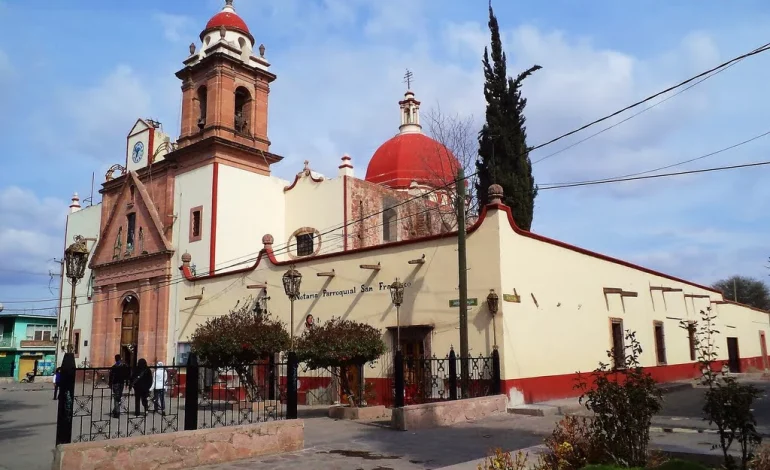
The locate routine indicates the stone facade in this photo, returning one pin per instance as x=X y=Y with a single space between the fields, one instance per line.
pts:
x=183 y=449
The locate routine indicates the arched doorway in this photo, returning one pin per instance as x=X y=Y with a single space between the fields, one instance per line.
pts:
x=129 y=330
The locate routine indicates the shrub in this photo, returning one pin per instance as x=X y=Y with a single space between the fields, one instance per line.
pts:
x=500 y=460
x=337 y=345
x=761 y=458
x=571 y=446
x=623 y=399
x=238 y=340
x=728 y=404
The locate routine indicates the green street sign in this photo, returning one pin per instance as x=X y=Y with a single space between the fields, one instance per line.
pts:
x=471 y=302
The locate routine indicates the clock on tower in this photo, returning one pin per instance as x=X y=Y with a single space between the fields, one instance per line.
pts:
x=138 y=152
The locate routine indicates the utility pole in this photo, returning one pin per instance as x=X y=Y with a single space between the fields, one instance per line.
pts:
x=463 y=285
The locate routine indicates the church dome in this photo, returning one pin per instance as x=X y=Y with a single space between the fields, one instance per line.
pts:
x=411 y=155
x=228 y=19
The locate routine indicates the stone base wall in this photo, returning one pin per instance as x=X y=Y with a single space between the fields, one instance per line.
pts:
x=184 y=449
x=446 y=413
x=365 y=413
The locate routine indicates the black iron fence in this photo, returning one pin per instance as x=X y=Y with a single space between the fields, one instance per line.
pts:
x=420 y=379
x=108 y=403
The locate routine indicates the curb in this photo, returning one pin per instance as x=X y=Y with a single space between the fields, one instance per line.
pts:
x=678 y=430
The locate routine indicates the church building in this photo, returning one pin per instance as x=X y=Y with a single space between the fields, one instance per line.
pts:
x=189 y=228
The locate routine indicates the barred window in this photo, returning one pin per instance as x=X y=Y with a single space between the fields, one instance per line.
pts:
x=305 y=244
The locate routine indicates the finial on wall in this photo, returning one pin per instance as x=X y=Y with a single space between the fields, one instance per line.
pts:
x=262 y=50
x=192 y=48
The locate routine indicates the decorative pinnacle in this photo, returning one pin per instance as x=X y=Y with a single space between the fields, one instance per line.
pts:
x=229 y=3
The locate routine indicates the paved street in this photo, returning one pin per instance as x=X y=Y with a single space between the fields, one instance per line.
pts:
x=27 y=426
x=27 y=434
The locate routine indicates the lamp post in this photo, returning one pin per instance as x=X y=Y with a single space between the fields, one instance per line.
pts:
x=291 y=282
x=493 y=304
x=75 y=259
x=397 y=296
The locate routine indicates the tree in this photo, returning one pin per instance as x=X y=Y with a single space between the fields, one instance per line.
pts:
x=503 y=151
x=338 y=344
x=240 y=339
x=750 y=291
x=456 y=134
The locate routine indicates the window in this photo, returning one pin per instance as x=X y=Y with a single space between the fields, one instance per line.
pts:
x=130 y=232
x=196 y=223
x=202 y=98
x=76 y=341
x=39 y=332
x=660 y=343
x=242 y=110
x=132 y=193
x=305 y=244
x=90 y=286
x=618 y=344
x=691 y=337
x=389 y=226
x=182 y=353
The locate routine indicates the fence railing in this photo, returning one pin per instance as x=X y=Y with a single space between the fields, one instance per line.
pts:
x=420 y=379
x=108 y=403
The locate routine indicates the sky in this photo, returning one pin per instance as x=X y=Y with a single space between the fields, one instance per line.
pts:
x=74 y=77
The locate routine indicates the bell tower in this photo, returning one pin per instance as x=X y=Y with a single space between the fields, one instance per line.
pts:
x=225 y=86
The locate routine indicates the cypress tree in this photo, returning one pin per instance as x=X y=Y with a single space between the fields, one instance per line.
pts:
x=503 y=151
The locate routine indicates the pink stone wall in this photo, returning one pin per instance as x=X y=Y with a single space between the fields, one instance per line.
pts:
x=447 y=413
x=183 y=449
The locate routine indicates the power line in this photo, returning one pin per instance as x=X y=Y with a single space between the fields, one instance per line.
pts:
x=662 y=175
x=652 y=97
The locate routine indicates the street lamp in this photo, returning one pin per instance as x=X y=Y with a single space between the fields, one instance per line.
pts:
x=397 y=296
x=493 y=304
x=291 y=282
x=75 y=260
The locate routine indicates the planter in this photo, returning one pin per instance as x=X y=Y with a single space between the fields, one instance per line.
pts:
x=367 y=412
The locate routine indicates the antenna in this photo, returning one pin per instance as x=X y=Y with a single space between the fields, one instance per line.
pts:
x=408 y=77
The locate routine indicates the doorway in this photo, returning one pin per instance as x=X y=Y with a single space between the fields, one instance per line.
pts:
x=129 y=330
x=763 y=348
x=733 y=355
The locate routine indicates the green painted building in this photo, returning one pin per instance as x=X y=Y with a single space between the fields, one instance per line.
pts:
x=24 y=339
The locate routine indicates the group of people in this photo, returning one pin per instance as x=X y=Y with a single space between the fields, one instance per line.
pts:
x=142 y=380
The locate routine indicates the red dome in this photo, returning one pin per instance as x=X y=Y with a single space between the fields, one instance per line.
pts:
x=412 y=157
x=228 y=20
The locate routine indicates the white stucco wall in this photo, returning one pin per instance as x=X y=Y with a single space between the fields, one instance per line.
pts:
x=426 y=300
x=568 y=330
x=192 y=189
x=249 y=205
x=318 y=205
x=84 y=222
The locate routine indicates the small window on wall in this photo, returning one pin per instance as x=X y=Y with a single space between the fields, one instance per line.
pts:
x=618 y=344
x=183 y=353
x=691 y=338
x=660 y=343
x=196 y=223
x=76 y=340
x=131 y=222
x=305 y=244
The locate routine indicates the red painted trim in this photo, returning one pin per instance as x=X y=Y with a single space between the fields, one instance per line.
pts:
x=213 y=236
x=345 y=212
x=554 y=387
x=151 y=144
x=300 y=175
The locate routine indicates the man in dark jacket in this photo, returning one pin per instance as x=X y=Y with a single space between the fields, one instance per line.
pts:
x=119 y=375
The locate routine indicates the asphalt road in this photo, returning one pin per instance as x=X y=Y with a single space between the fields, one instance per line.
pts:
x=27 y=428
x=688 y=403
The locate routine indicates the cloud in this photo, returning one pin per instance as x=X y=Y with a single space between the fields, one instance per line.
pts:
x=175 y=27
x=30 y=236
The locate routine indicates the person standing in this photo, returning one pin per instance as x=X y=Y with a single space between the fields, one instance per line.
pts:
x=117 y=380
x=159 y=388
x=56 y=376
x=141 y=382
